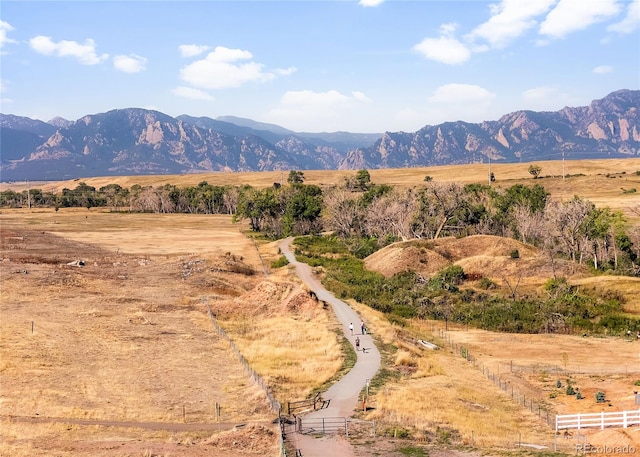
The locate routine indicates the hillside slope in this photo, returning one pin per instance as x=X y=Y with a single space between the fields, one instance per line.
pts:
x=478 y=255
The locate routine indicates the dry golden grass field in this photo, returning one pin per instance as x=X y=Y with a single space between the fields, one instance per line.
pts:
x=602 y=181
x=119 y=356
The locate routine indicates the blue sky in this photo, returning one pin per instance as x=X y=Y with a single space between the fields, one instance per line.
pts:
x=353 y=65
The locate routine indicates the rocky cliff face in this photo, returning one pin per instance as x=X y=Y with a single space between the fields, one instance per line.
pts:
x=137 y=141
x=606 y=128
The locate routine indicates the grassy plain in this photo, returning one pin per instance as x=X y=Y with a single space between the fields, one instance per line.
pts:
x=124 y=343
x=602 y=181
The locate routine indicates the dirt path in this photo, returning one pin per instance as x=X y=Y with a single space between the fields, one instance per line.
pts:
x=169 y=426
x=344 y=394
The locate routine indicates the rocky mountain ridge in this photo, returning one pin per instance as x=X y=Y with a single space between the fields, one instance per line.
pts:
x=136 y=141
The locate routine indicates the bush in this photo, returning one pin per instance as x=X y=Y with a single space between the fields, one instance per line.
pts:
x=486 y=283
x=393 y=319
x=281 y=262
x=515 y=254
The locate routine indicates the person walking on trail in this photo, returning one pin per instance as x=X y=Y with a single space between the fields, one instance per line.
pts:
x=363 y=329
x=351 y=327
x=357 y=343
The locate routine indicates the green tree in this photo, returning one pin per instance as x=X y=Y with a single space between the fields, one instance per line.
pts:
x=115 y=195
x=534 y=170
x=295 y=177
x=363 y=179
x=302 y=211
x=257 y=206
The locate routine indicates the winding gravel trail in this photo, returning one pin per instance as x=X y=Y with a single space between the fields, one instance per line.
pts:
x=344 y=394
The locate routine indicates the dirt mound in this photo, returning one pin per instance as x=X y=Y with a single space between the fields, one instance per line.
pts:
x=250 y=440
x=269 y=298
x=412 y=255
x=482 y=255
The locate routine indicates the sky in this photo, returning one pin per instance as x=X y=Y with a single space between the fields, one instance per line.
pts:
x=365 y=66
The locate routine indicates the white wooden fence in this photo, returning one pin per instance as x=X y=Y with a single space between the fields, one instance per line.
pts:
x=601 y=420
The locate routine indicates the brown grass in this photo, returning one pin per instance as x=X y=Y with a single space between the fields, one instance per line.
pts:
x=602 y=184
x=286 y=336
x=445 y=392
x=123 y=338
x=126 y=337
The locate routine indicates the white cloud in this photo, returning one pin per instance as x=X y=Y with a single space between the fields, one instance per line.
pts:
x=603 y=69
x=285 y=71
x=509 y=20
x=3 y=89
x=461 y=93
x=546 y=98
x=299 y=109
x=221 y=70
x=5 y=28
x=309 y=99
x=572 y=15
x=631 y=22
x=192 y=50
x=85 y=53
x=366 y=3
x=443 y=49
x=451 y=102
x=129 y=64
x=193 y=94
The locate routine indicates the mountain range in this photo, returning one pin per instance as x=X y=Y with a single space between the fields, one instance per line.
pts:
x=137 y=141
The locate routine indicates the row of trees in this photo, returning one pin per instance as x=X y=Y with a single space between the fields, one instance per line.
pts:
x=360 y=209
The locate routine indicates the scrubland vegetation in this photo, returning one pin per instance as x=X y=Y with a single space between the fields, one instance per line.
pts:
x=565 y=265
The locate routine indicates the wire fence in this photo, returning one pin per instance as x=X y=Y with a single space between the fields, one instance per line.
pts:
x=506 y=380
x=275 y=404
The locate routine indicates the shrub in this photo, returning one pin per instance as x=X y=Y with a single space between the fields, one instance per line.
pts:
x=393 y=319
x=403 y=358
x=281 y=262
x=515 y=254
x=486 y=283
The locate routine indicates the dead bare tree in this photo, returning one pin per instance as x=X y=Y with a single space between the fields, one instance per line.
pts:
x=341 y=212
x=531 y=225
x=565 y=221
x=230 y=199
x=447 y=198
x=391 y=215
x=513 y=287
